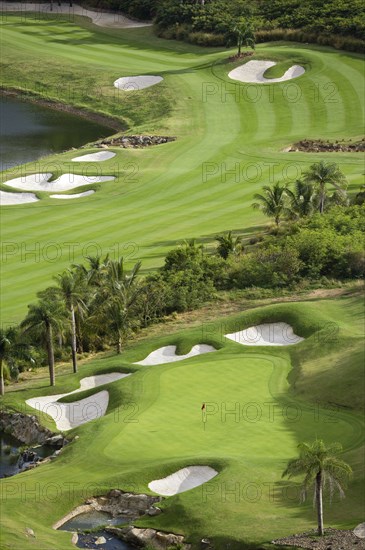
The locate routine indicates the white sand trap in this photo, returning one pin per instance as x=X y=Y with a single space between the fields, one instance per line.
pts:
x=167 y=354
x=102 y=19
x=7 y=199
x=66 y=182
x=95 y=157
x=70 y=415
x=268 y=334
x=253 y=71
x=74 y=196
x=182 y=480
x=134 y=83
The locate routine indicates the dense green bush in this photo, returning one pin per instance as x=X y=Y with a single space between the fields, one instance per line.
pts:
x=334 y=23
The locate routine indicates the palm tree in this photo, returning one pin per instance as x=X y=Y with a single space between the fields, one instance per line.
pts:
x=44 y=317
x=273 y=201
x=244 y=34
x=302 y=200
x=70 y=290
x=228 y=245
x=321 y=174
x=319 y=464
x=117 y=297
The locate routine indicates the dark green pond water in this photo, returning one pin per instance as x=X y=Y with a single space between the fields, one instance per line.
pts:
x=29 y=131
x=10 y=460
x=91 y=520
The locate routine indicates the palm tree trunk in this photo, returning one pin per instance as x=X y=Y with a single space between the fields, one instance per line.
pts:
x=319 y=503
x=50 y=354
x=2 y=385
x=119 y=343
x=321 y=200
x=239 y=47
x=73 y=339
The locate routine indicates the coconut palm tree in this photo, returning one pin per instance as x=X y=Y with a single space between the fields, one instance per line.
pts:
x=319 y=464
x=71 y=290
x=117 y=297
x=273 y=201
x=45 y=317
x=302 y=200
x=228 y=245
x=321 y=174
x=244 y=33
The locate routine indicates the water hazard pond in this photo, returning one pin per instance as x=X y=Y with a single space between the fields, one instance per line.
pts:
x=29 y=131
x=91 y=520
x=11 y=461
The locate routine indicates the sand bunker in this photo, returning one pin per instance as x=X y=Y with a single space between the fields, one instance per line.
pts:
x=66 y=182
x=74 y=196
x=70 y=415
x=95 y=157
x=182 y=480
x=253 y=71
x=101 y=19
x=133 y=83
x=7 y=199
x=167 y=354
x=268 y=334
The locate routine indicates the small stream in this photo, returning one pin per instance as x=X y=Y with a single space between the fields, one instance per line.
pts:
x=11 y=462
x=92 y=520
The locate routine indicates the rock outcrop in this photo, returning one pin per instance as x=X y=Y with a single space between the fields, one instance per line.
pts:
x=116 y=503
x=135 y=142
x=144 y=537
x=24 y=427
x=322 y=146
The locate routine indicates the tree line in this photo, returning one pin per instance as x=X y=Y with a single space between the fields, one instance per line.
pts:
x=317 y=236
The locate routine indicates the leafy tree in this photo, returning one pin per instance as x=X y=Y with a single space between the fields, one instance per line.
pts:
x=244 y=33
x=10 y=351
x=228 y=245
x=319 y=464
x=321 y=174
x=45 y=317
x=273 y=201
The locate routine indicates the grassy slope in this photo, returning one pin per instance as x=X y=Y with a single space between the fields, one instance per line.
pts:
x=154 y=427
x=163 y=197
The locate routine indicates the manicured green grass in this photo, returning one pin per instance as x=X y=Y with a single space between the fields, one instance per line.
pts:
x=230 y=141
x=154 y=427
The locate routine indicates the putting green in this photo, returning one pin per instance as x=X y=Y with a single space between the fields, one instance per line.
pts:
x=154 y=427
x=230 y=142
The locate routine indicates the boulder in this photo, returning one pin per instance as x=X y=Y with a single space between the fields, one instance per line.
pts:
x=359 y=531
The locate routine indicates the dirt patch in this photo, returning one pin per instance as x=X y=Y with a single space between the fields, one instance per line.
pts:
x=237 y=57
x=333 y=539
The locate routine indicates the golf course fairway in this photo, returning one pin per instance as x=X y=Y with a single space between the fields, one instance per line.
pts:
x=260 y=401
x=230 y=141
x=154 y=426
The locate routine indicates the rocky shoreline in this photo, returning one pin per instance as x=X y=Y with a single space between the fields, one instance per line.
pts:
x=28 y=430
x=131 y=506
